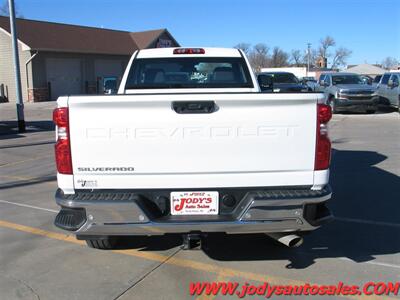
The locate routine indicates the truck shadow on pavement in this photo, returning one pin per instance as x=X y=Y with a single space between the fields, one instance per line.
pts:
x=150 y=243
x=27 y=145
x=27 y=182
x=366 y=206
x=9 y=129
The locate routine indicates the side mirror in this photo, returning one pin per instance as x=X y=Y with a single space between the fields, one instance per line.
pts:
x=392 y=84
x=110 y=85
x=110 y=91
x=265 y=82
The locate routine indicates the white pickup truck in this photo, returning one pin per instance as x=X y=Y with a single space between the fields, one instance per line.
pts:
x=190 y=145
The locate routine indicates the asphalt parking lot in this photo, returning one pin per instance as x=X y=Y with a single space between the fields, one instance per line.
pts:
x=38 y=261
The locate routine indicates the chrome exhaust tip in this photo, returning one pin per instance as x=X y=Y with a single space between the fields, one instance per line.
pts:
x=289 y=240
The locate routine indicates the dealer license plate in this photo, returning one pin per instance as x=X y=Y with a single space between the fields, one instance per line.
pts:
x=194 y=203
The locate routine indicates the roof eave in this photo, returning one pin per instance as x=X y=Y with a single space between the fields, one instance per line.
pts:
x=81 y=52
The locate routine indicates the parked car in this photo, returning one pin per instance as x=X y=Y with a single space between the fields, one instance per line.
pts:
x=311 y=82
x=348 y=91
x=376 y=81
x=388 y=89
x=110 y=85
x=280 y=82
x=384 y=80
x=176 y=152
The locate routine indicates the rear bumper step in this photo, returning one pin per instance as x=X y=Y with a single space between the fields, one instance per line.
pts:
x=147 y=212
x=70 y=219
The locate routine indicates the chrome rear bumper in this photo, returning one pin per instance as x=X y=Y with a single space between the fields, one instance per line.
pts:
x=129 y=213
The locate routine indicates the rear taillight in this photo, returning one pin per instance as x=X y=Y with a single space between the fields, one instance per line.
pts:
x=62 y=147
x=189 y=51
x=323 y=144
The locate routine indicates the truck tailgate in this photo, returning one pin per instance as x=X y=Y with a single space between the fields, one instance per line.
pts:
x=139 y=141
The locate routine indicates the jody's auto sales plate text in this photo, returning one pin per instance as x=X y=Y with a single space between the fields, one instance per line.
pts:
x=194 y=203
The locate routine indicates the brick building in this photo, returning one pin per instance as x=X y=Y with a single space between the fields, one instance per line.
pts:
x=59 y=59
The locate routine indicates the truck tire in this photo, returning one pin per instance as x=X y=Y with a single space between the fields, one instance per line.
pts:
x=106 y=243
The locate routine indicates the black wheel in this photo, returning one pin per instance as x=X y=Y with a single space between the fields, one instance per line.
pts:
x=332 y=104
x=105 y=243
x=371 y=111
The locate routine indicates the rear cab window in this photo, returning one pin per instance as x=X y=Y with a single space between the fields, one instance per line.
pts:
x=283 y=78
x=189 y=72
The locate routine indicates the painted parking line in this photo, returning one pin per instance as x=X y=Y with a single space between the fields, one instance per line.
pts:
x=29 y=206
x=18 y=177
x=376 y=263
x=41 y=232
x=43 y=179
x=179 y=262
x=23 y=161
x=382 y=264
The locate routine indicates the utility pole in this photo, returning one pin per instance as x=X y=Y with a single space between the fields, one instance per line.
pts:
x=308 y=57
x=20 y=104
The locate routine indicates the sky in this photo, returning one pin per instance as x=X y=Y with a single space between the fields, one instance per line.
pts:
x=369 y=28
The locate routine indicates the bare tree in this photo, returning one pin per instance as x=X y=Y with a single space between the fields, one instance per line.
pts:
x=341 y=55
x=259 y=57
x=245 y=47
x=390 y=62
x=4 y=10
x=325 y=44
x=279 y=58
x=297 y=58
x=261 y=48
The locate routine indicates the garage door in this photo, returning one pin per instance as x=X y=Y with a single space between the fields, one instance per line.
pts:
x=64 y=76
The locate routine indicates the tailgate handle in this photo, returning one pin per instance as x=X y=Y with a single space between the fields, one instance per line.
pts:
x=194 y=107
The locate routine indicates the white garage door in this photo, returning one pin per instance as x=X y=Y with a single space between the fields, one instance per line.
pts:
x=64 y=76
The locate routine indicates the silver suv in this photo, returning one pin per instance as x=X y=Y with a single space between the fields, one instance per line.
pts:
x=347 y=91
x=388 y=89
